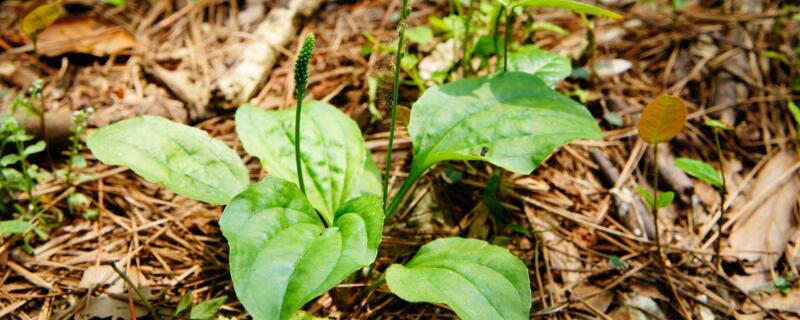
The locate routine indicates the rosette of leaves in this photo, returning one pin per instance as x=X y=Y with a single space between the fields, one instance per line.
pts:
x=286 y=248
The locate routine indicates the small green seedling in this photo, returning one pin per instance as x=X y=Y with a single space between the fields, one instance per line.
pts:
x=718 y=180
x=17 y=174
x=661 y=120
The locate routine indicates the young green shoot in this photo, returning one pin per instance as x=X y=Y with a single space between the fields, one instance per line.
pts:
x=401 y=31
x=716 y=126
x=661 y=120
x=301 y=73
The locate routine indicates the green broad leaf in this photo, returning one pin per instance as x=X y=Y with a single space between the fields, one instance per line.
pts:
x=333 y=150
x=548 y=66
x=42 y=17
x=10 y=227
x=34 y=148
x=700 y=170
x=513 y=120
x=281 y=253
x=185 y=159
x=576 y=6
x=477 y=280
x=207 y=309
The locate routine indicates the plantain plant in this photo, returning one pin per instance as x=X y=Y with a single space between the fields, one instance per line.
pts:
x=319 y=215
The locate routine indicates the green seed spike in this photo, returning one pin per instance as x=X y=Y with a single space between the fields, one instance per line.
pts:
x=301 y=86
x=301 y=71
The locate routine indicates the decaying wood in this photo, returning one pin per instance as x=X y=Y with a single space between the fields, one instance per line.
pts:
x=761 y=237
x=259 y=55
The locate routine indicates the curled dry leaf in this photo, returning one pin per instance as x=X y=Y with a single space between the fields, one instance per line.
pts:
x=84 y=34
x=662 y=119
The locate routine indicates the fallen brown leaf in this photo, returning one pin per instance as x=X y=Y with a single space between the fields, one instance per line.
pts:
x=84 y=34
x=762 y=236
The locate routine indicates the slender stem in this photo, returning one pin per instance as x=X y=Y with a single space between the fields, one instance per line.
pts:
x=653 y=205
x=401 y=194
x=36 y=53
x=509 y=30
x=496 y=34
x=722 y=191
x=395 y=96
x=137 y=291
x=465 y=45
x=661 y=257
x=297 y=153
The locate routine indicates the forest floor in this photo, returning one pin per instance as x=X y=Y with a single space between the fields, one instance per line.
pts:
x=577 y=221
